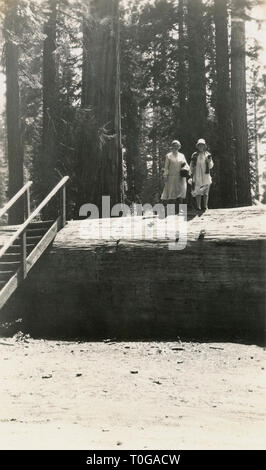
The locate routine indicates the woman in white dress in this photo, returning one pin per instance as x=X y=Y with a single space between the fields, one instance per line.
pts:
x=200 y=166
x=175 y=171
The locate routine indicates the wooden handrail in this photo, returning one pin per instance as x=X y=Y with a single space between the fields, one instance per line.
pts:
x=15 y=198
x=24 y=226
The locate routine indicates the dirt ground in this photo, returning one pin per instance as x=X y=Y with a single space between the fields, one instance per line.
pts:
x=145 y=395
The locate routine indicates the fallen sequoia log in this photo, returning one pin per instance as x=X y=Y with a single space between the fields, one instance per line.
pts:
x=139 y=288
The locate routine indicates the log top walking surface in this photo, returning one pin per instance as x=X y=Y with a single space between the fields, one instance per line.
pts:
x=247 y=223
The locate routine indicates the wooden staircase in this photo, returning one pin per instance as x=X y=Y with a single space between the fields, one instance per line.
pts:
x=24 y=245
x=11 y=260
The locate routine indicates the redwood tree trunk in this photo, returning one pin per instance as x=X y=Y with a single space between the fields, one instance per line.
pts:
x=223 y=106
x=238 y=77
x=101 y=171
x=197 y=112
x=182 y=78
x=131 y=126
x=49 y=151
x=15 y=149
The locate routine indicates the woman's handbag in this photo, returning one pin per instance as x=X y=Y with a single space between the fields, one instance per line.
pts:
x=184 y=173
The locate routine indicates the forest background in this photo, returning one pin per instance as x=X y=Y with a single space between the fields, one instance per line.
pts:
x=97 y=89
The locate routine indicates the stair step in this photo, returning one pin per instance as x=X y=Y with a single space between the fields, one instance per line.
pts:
x=33 y=239
x=5 y=275
x=37 y=231
x=40 y=224
x=30 y=248
x=17 y=248
x=14 y=250
x=9 y=265
x=11 y=257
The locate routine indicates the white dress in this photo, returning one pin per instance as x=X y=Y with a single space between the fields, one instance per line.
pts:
x=200 y=178
x=176 y=185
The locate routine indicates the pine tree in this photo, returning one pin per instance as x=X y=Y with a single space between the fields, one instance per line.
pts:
x=197 y=109
x=182 y=76
x=15 y=148
x=50 y=105
x=101 y=165
x=255 y=116
x=3 y=162
x=223 y=106
x=159 y=46
x=131 y=96
x=238 y=84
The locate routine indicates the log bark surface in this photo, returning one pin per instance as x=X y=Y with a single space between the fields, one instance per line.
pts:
x=124 y=288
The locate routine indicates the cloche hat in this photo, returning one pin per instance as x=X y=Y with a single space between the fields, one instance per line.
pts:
x=201 y=141
x=176 y=142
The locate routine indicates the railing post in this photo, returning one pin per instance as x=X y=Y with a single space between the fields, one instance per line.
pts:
x=16 y=197
x=36 y=212
x=27 y=204
x=23 y=254
x=63 y=205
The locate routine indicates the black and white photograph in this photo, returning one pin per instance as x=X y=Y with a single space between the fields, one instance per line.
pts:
x=133 y=227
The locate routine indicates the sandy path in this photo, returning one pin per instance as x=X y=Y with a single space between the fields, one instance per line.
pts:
x=70 y=395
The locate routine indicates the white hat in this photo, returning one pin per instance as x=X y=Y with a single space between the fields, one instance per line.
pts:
x=201 y=141
x=176 y=142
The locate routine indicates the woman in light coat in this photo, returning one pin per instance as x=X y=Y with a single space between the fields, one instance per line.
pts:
x=200 y=166
x=175 y=171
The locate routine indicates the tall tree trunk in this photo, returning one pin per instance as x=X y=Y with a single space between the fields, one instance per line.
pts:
x=102 y=168
x=15 y=149
x=256 y=147
x=119 y=180
x=197 y=112
x=155 y=158
x=49 y=150
x=88 y=152
x=131 y=127
x=182 y=78
x=223 y=106
x=155 y=124
x=238 y=77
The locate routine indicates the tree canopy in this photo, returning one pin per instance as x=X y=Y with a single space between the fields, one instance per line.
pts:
x=104 y=86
